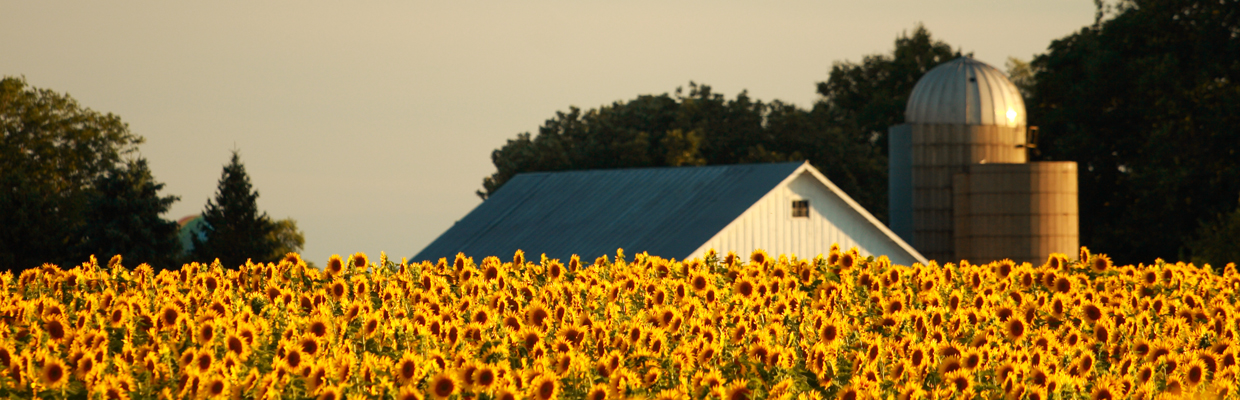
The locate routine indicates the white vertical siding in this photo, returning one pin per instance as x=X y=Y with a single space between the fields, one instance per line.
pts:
x=769 y=225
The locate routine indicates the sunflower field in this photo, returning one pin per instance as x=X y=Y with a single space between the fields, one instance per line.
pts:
x=725 y=326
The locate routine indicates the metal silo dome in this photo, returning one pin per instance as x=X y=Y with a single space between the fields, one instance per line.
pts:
x=965 y=91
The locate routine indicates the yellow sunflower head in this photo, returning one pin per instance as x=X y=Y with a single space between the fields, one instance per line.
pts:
x=545 y=387
x=442 y=385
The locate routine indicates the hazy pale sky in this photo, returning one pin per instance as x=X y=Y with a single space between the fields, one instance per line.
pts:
x=372 y=122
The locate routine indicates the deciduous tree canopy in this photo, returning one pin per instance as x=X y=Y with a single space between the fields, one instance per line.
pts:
x=1148 y=102
x=844 y=135
x=66 y=189
x=697 y=128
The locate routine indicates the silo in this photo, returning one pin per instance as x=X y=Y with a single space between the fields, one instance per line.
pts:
x=1019 y=211
x=960 y=113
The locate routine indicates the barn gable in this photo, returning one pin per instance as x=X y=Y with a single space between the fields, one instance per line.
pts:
x=673 y=212
x=833 y=217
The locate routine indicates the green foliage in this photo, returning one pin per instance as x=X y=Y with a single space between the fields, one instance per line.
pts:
x=1021 y=73
x=233 y=229
x=58 y=160
x=287 y=237
x=1148 y=102
x=865 y=99
x=844 y=135
x=1217 y=241
x=700 y=128
x=123 y=217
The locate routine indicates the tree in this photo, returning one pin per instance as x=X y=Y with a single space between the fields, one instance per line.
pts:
x=123 y=217
x=1215 y=242
x=287 y=237
x=1021 y=73
x=233 y=228
x=865 y=99
x=698 y=128
x=1148 y=103
x=54 y=157
x=844 y=135
x=862 y=100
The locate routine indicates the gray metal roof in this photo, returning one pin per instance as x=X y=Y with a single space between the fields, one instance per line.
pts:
x=668 y=212
x=965 y=91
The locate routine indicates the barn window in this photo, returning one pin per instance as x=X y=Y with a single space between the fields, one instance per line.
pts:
x=800 y=208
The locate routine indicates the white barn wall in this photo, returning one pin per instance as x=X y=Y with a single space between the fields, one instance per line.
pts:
x=769 y=225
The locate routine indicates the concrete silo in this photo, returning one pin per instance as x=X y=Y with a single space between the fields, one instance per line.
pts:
x=961 y=115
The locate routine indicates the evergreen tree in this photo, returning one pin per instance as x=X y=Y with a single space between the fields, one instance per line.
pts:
x=234 y=231
x=123 y=217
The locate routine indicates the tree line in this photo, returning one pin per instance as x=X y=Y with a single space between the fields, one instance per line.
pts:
x=72 y=185
x=1146 y=100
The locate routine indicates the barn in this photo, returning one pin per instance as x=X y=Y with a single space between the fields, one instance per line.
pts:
x=671 y=212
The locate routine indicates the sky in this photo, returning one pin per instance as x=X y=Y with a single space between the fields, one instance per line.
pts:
x=371 y=123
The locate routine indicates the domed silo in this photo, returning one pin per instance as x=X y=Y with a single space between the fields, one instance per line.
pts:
x=960 y=113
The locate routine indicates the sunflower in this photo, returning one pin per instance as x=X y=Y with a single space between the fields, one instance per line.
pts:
x=112 y=389
x=744 y=287
x=536 y=314
x=334 y=265
x=442 y=385
x=169 y=317
x=698 y=282
x=1195 y=373
x=54 y=373
x=759 y=258
x=118 y=317
x=1091 y=312
x=848 y=259
x=829 y=332
x=555 y=270
x=1014 y=329
x=1039 y=393
x=706 y=353
x=971 y=360
x=850 y=392
x=961 y=382
x=56 y=329
x=370 y=326
x=545 y=387
x=1102 y=332
x=203 y=361
x=918 y=357
x=329 y=392
x=204 y=332
x=215 y=387
x=1145 y=374
x=1085 y=365
x=293 y=359
x=598 y=392
x=738 y=391
x=358 y=262
x=1174 y=386
x=406 y=370
x=710 y=296
x=338 y=289
x=452 y=335
x=1062 y=284
x=950 y=364
x=1100 y=263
